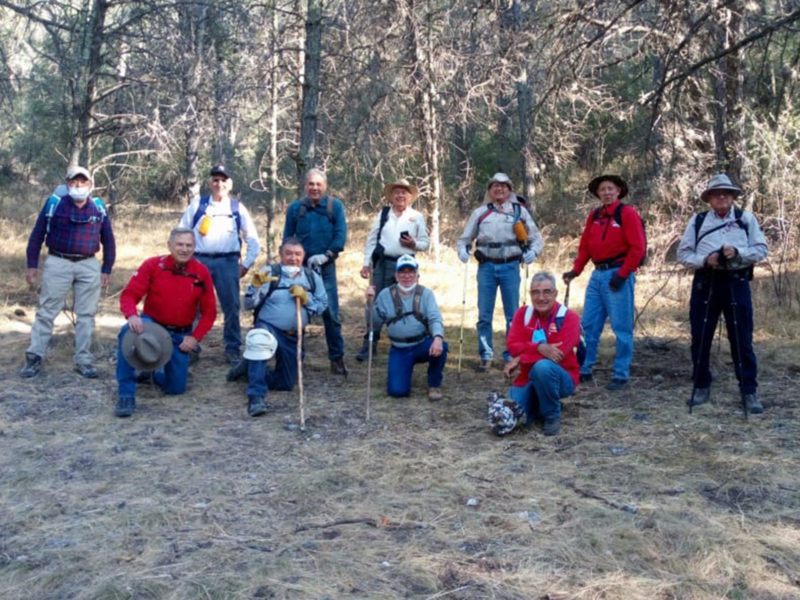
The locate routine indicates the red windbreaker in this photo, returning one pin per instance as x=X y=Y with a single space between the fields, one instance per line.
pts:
x=172 y=296
x=603 y=240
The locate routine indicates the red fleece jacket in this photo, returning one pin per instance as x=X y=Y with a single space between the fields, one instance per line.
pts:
x=603 y=240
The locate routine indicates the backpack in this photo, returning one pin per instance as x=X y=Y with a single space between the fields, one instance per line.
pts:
x=202 y=207
x=737 y=214
x=52 y=204
x=580 y=349
x=275 y=271
x=305 y=205
x=492 y=208
x=618 y=220
x=415 y=311
x=379 y=249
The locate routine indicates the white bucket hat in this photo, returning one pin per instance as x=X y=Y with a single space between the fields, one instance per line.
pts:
x=259 y=344
x=720 y=181
x=500 y=178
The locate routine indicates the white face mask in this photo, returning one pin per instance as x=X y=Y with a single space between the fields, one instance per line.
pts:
x=289 y=270
x=78 y=193
x=406 y=289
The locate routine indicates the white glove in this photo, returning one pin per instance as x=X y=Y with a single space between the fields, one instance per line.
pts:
x=317 y=260
x=463 y=254
x=529 y=257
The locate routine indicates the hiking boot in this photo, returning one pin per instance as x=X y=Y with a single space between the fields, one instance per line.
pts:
x=586 y=378
x=338 y=368
x=145 y=377
x=484 y=365
x=617 y=384
x=237 y=371
x=752 y=403
x=256 y=406
x=434 y=394
x=232 y=357
x=699 y=396
x=125 y=407
x=33 y=364
x=364 y=352
x=551 y=426
x=86 y=370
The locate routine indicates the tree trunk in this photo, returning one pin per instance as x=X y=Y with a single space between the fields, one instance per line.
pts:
x=194 y=24
x=306 y=155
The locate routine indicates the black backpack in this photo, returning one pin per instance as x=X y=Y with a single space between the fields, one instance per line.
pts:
x=618 y=220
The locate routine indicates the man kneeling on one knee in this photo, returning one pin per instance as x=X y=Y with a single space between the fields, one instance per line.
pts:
x=274 y=297
x=415 y=329
x=543 y=340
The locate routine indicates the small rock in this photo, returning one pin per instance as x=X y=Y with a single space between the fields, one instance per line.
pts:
x=472 y=502
x=291 y=426
x=316 y=436
x=386 y=564
x=201 y=505
x=658 y=378
x=617 y=450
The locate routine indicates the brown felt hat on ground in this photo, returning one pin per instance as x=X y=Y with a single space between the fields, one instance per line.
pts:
x=615 y=179
x=400 y=183
x=149 y=350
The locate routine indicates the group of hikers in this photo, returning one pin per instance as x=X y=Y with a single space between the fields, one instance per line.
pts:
x=545 y=351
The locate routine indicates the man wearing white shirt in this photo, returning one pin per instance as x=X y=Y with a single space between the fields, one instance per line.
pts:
x=398 y=229
x=220 y=223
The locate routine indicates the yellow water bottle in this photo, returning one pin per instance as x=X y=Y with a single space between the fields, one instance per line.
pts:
x=205 y=225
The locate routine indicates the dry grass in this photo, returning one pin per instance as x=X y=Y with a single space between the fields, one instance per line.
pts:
x=192 y=499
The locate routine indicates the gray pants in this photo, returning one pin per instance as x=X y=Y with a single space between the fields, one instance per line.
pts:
x=58 y=276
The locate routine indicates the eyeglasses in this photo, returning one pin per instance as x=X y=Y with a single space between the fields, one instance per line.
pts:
x=548 y=292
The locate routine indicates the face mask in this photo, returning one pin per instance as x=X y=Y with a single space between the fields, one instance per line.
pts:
x=406 y=289
x=78 y=193
x=289 y=270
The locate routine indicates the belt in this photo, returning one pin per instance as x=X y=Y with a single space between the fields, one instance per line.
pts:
x=609 y=264
x=410 y=340
x=175 y=328
x=217 y=254
x=501 y=261
x=71 y=257
x=497 y=244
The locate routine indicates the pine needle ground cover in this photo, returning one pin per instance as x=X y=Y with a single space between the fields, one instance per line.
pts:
x=191 y=498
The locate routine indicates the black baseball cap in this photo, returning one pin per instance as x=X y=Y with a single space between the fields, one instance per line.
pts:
x=219 y=170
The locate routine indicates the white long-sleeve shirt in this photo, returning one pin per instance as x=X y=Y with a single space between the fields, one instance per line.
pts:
x=410 y=220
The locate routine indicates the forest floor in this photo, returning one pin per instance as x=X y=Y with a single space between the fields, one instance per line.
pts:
x=191 y=498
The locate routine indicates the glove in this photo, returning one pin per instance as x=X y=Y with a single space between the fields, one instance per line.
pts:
x=261 y=277
x=569 y=276
x=298 y=291
x=529 y=256
x=463 y=254
x=317 y=260
x=617 y=281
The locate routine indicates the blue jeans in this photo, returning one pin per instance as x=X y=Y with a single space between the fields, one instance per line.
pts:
x=401 y=366
x=171 y=377
x=541 y=396
x=330 y=318
x=602 y=302
x=714 y=293
x=225 y=274
x=490 y=277
x=283 y=378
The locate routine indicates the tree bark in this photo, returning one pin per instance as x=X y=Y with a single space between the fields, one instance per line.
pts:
x=306 y=155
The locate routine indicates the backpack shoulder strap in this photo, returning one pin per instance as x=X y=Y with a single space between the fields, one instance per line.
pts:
x=737 y=213
x=384 y=217
x=396 y=300
x=415 y=305
x=101 y=206
x=312 y=283
x=489 y=209
x=561 y=314
x=202 y=206
x=236 y=214
x=50 y=209
x=528 y=314
x=618 y=213
x=517 y=211
x=331 y=200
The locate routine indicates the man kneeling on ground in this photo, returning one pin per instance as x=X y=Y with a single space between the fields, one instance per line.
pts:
x=414 y=325
x=175 y=287
x=543 y=340
x=273 y=297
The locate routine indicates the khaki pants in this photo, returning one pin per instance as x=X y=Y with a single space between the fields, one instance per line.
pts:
x=58 y=276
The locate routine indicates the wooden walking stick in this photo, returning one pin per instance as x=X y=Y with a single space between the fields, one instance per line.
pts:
x=370 y=337
x=300 y=364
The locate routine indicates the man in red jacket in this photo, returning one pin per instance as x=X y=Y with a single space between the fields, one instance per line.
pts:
x=542 y=341
x=175 y=287
x=613 y=239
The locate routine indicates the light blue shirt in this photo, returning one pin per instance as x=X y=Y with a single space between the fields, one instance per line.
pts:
x=279 y=309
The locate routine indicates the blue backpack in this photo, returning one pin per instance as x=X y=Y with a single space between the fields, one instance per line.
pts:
x=52 y=204
x=580 y=349
x=202 y=207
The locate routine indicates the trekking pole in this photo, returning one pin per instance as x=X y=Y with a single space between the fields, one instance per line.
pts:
x=463 y=316
x=525 y=288
x=300 y=365
x=566 y=295
x=702 y=340
x=734 y=306
x=370 y=337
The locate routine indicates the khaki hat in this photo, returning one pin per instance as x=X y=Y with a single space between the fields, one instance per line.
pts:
x=149 y=350
x=401 y=183
x=76 y=171
x=720 y=181
x=615 y=179
x=500 y=178
x=259 y=344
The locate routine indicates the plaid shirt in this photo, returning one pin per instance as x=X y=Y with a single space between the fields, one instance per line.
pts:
x=73 y=230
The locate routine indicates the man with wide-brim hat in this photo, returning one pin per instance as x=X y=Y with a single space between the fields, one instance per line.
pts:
x=505 y=236
x=398 y=229
x=613 y=239
x=178 y=295
x=722 y=245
